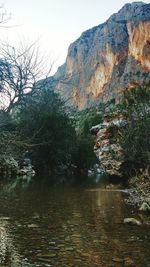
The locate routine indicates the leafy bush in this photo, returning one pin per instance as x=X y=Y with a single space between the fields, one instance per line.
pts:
x=83 y=155
x=46 y=130
x=135 y=137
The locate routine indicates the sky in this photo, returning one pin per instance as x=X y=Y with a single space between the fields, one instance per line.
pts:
x=54 y=24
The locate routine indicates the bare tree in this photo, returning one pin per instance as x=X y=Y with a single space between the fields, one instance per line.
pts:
x=4 y=17
x=20 y=71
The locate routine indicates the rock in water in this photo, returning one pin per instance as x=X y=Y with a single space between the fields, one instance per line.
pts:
x=132 y=221
x=128 y=262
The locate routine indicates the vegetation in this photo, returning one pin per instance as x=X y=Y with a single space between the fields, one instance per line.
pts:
x=34 y=119
x=46 y=130
x=134 y=137
x=9 y=152
x=83 y=155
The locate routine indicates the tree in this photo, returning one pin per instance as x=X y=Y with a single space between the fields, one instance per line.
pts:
x=4 y=17
x=46 y=130
x=9 y=152
x=20 y=71
x=135 y=137
x=83 y=155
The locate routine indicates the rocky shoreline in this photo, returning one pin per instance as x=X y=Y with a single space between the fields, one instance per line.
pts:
x=114 y=164
x=136 y=199
x=139 y=191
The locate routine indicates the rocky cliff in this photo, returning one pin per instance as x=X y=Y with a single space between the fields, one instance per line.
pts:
x=107 y=150
x=107 y=58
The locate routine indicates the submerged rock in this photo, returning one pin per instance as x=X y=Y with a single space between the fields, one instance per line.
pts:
x=128 y=262
x=119 y=260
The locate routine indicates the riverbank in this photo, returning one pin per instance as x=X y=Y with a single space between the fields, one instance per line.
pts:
x=139 y=191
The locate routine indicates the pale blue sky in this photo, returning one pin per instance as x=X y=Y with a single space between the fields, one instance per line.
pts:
x=56 y=23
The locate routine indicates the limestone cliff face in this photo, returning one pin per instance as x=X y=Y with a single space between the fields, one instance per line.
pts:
x=107 y=150
x=107 y=58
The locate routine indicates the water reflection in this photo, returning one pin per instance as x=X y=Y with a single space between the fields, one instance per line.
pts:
x=67 y=226
x=21 y=182
x=7 y=247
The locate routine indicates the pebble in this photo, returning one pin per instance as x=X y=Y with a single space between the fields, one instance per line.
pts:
x=44 y=260
x=76 y=235
x=118 y=259
x=52 y=243
x=46 y=256
x=33 y=225
x=69 y=249
x=84 y=254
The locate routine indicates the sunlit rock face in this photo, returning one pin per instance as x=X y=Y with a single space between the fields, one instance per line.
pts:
x=107 y=150
x=139 y=43
x=107 y=58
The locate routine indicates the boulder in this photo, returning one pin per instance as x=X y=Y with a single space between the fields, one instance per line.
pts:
x=132 y=221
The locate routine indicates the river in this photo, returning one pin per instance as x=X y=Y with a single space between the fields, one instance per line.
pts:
x=68 y=225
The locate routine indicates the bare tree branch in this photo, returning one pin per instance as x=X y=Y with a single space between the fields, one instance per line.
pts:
x=20 y=71
x=4 y=17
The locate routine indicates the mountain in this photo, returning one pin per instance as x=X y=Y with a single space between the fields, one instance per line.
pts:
x=107 y=58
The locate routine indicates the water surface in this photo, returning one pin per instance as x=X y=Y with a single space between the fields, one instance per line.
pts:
x=68 y=225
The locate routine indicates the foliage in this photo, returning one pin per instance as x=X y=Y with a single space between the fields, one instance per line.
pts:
x=46 y=130
x=89 y=117
x=31 y=117
x=9 y=152
x=135 y=137
x=83 y=155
